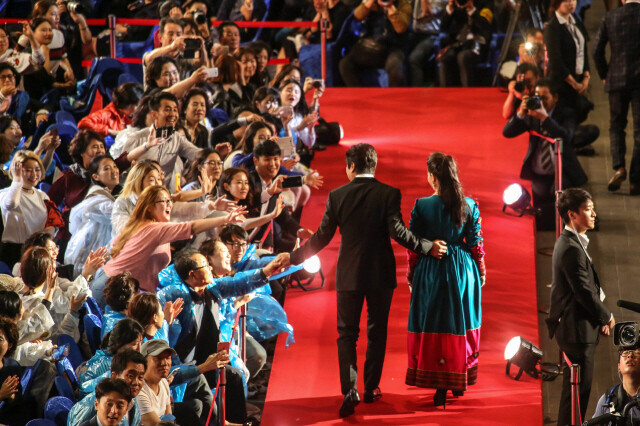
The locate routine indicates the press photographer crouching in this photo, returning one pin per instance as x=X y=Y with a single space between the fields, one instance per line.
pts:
x=527 y=75
x=543 y=117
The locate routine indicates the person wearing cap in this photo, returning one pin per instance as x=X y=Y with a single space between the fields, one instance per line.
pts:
x=618 y=396
x=128 y=365
x=112 y=400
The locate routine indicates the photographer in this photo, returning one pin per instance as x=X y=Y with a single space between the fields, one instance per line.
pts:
x=77 y=36
x=527 y=75
x=616 y=398
x=179 y=47
x=386 y=24
x=542 y=114
x=469 y=29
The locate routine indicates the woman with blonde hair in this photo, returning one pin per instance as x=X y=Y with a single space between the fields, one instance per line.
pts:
x=24 y=208
x=143 y=245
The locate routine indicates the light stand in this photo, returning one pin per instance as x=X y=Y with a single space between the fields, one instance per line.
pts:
x=558 y=146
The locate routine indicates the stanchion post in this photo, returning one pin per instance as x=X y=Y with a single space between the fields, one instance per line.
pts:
x=243 y=332
x=575 y=379
x=558 y=183
x=112 y=35
x=324 y=25
x=222 y=415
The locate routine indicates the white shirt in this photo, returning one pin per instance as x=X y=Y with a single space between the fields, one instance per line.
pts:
x=578 y=39
x=23 y=212
x=149 y=402
x=365 y=175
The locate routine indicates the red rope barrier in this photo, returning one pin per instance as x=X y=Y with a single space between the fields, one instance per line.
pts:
x=152 y=22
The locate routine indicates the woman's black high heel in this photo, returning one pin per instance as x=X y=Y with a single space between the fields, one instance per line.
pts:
x=457 y=392
x=440 y=398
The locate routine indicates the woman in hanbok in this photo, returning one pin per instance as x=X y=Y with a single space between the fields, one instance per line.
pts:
x=90 y=221
x=445 y=314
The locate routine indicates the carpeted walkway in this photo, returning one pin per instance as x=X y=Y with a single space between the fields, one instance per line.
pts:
x=405 y=126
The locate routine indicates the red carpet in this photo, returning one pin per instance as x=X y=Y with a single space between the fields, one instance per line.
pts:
x=405 y=126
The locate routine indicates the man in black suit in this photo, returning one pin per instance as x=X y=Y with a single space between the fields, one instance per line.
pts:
x=577 y=314
x=553 y=121
x=620 y=28
x=368 y=213
x=112 y=401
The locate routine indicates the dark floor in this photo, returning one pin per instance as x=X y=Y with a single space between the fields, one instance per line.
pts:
x=616 y=257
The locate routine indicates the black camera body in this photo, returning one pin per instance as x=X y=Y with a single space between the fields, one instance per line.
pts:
x=626 y=334
x=199 y=17
x=533 y=102
x=520 y=86
x=74 y=7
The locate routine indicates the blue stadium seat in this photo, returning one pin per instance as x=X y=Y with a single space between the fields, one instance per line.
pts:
x=64 y=388
x=83 y=111
x=41 y=422
x=93 y=307
x=93 y=327
x=217 y=116
x=4 y=268
x=57 y=409
x=65 y=117
x=75 y=356
x=65 y=369
x=125 y=77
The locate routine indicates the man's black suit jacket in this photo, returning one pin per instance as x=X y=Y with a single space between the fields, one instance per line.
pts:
x=92 y=422
x=368 y=215
x=561 y=49
x=576 y=312
x=621 y=29
x=559 y=124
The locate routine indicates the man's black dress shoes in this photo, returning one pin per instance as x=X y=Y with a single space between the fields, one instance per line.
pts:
x=351 y=399
x=372 y=396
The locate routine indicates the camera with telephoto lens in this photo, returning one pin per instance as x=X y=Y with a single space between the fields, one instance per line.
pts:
x=533 y=102
x=74 y=7
x=199 y=17
x=626 y=334
x=520 y=86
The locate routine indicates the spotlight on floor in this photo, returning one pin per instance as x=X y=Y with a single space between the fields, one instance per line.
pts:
x=312 y=264
x=525 y=355
x=517 y=201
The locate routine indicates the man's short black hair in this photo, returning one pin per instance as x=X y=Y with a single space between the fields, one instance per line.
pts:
x=169 y=20
x=184 y=263
x=524 y=67
x=570 y=200
x=231 y=230
x=8 y=66
x=157 y=99
x=10 y=304
x=225 y=24
x=109 y=385
x=364 y=156
x=120 y=360
x=545 y=82
x=267 y=148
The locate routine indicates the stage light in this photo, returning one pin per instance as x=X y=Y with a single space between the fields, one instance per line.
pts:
x=525 y=355
x=312 y=264
x=528 y=45
x=517 y=201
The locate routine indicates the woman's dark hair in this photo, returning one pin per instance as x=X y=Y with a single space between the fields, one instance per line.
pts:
x=246 y=143
x=155 y=69
x=282 y=75
x=37 y=239
x=165 y=8
x=259 y=45
x=188 y=22
x=10 y=331
x=36 y=22
x=232 y=230
x=124 y=332
x=444 y=168
x=139 y=119
x=94 y=167
x=33 y=266
x=143 y=307
x=226 y=177
x=82 y=140
x=555 y=4
x=264 y=92
x=8 y=66
x=5 y=122
x=208 y=247
x=192 y=173
x=302 y=107
x=6 y=148
x=127 y=94
x=41 y=8
x=571 y=199
x=228 y=69
x=245 y=50
x=10 y=304
x=119 y=290
x=196 y=91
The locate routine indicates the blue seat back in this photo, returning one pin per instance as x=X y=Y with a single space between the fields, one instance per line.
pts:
x=41 y=422
x=64 y=367
x=218 y=116
x=57 y=409
x=93 y=307
x=125 y=77
x=28 y=376
x=64 y=388
x=75 y=355
x=93 y=327
x=4 y=268
x=65 y=117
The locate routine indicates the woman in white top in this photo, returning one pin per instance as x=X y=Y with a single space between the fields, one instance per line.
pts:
x=303 y=121
x=23 y=205
x=22 y=62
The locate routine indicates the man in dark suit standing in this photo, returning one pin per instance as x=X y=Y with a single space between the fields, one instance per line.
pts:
x=368 y=214
x=577 y=315
x=620 y=28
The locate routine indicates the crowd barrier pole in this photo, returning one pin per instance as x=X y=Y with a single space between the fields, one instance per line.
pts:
x=324 y=25
x=112 y=35
x=558 y=183
x=243 y=333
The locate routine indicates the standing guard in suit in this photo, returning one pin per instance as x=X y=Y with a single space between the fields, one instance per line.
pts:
x=620 y=28
x=577 y=314
x=368 y=214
